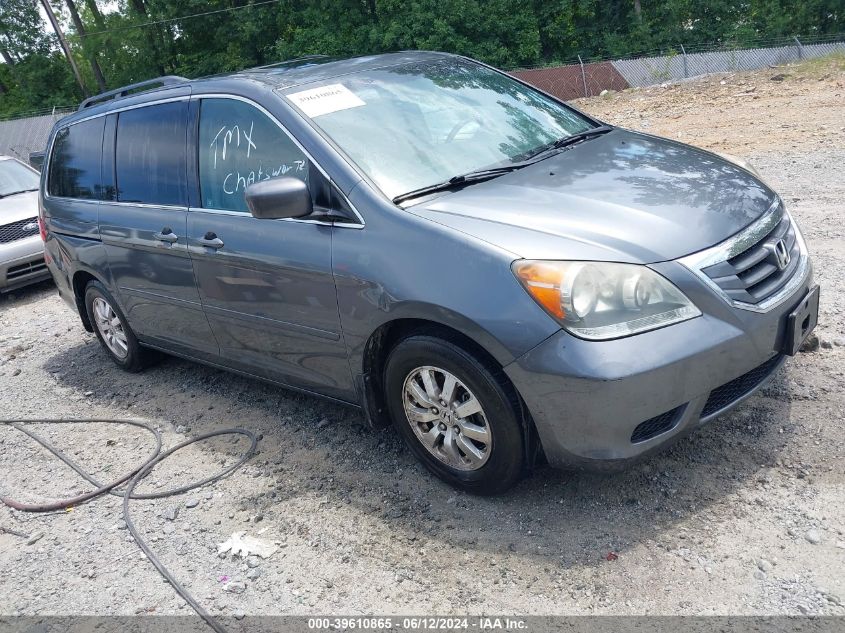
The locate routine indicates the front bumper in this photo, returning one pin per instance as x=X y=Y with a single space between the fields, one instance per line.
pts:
x=599 y=404
x=22 y=263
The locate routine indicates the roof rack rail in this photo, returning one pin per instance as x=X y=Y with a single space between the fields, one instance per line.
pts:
x=117 y=93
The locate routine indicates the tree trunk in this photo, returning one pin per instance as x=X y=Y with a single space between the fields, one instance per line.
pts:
x=156 y=42
x=95 y=11
x=5 y=51
x=638 y=10
x=7 y=57
x=92 y=56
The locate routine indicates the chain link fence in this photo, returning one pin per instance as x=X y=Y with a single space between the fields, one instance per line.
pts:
x=586 y=78
x=22 y=136
x=26 y=135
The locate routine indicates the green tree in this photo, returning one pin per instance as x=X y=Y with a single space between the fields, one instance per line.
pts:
x=126 y=41
x=33 y=74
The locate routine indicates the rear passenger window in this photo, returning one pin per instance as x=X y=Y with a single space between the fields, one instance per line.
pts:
x=75 y=162
x=239 y=145
x=150 y=154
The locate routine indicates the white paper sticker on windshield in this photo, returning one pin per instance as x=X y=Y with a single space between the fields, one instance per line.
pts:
x=325 y=100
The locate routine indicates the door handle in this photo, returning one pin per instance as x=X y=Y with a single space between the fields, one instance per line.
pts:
x=166 y=235
x=210 y=240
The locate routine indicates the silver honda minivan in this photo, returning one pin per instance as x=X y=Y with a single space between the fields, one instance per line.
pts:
x=503 y=278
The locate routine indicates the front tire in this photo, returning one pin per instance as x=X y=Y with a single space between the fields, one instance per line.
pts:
x=454 y=414
x=111 y=327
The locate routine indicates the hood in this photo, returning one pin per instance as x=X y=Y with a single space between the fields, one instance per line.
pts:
x=624 y=197
x=18 y=206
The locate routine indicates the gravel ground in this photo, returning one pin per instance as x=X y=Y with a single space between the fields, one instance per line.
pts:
x=743 y=517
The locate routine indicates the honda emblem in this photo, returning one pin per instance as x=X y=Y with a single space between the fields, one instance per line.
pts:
x=781 y=253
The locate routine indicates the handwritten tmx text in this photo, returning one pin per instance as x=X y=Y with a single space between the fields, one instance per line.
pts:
x=234 y=146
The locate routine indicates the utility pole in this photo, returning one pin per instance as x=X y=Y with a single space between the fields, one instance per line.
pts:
x=65 y=47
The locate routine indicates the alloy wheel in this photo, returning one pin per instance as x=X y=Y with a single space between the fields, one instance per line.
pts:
x=447 y=418
x=110 y=328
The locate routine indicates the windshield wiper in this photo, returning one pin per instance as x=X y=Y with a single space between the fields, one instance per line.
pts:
x=566 y=141
x=487 y=174
x=460 y=180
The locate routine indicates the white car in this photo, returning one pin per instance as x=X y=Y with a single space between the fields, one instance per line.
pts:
x=21 y=247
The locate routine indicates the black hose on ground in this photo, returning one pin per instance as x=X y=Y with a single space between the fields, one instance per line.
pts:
x=133 y=477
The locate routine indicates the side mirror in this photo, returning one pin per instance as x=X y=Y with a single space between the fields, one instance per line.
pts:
x=279 y=198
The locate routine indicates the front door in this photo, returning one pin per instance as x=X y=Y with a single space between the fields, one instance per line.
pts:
x=266 y=285
x=143 y=226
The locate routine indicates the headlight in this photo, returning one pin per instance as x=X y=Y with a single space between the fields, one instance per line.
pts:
x=601 y=300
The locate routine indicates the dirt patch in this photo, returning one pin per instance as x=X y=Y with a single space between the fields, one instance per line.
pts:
x=745 y=516
x=781 y=109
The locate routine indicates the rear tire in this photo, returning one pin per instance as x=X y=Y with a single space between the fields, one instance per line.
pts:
x=111 y=327
x=456 y=417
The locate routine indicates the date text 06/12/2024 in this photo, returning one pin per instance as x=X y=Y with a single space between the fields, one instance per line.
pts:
x=418 y=623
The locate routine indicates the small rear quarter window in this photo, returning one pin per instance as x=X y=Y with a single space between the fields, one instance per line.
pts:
x=74 y=170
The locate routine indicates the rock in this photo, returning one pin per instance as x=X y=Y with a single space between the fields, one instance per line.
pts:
x=839 y=342
x=811 y=344
x=323 y=423
x=37 y=536
x=17 y=372
x=170 y=513
x=395 y=512
x=235 y=587
x=603 y=92
x=239 y=615
x=764 y=565
x=253 y=561
x=253 y=574
x=813 y=536
x=759 y=575
x=193 y=502
x=778 y=77
x=826 y=344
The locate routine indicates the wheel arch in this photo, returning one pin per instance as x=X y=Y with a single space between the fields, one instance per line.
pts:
x=390 y=333
x=79 y=281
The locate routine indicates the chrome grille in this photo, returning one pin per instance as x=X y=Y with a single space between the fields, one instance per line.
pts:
x=18 y=230
x=760 y=271
x=759 y=267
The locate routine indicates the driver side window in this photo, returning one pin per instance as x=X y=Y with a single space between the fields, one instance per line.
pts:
x=239 y=145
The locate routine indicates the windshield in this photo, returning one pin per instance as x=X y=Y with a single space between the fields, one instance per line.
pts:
x=419 y=124
x=16 y=177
